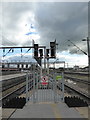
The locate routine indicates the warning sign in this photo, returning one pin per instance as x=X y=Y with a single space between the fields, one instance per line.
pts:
x=59 y=77
x=44 y=80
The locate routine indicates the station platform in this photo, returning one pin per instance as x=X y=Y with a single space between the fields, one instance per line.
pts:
x=11 y=76
x=45 y=107
x=46 y=110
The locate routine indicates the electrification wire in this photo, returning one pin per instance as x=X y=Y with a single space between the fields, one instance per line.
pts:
x=78 y=47
x=7 y=52
x=26 y=52
x=8 y=41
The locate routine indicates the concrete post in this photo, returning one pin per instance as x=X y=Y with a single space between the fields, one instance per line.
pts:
x=63 y=86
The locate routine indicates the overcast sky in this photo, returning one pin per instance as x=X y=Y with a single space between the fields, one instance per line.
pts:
x=45 y=22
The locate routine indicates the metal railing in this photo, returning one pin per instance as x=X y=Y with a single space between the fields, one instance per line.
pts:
x=45 y=88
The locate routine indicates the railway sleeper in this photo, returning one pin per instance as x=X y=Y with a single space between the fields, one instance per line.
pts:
x=15 y=103
x=75 y=102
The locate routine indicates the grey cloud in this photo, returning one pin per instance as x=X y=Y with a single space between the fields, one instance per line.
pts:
x=7 y=42
x=12 y=12
x=58 y=20
x=62 y=21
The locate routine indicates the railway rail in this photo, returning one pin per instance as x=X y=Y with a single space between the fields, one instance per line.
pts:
x=78 y=91
x=14 y=93
x=21 y=89
x=82 y=93
x=77 y=73
x=77 y=79
x=11 y=83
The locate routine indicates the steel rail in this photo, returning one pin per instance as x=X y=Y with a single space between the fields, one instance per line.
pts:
x=79 y=92
x=13 y=92
x=12 y=85
x=10 y=81
x=77 y=73
x=10 y=94
x=78 y=80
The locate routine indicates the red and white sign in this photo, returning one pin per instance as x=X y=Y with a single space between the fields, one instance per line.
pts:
x=44 y=80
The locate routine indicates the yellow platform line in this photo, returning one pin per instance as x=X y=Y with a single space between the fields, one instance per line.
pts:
x=56 y=111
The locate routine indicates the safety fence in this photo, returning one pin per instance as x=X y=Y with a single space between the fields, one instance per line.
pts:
x=43 y=87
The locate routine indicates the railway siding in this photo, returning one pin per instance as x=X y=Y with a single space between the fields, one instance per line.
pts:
x=77 y=79
x=78 y=89
x=6 y=92
x=8 y=77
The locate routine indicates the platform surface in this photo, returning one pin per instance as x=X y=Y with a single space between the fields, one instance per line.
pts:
x=45 y=107
x=6 y=77
x=46 y=110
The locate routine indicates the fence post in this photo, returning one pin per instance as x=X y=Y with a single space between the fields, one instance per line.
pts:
x=33 y=83
x=27 y=87
x=63 y=86
x=37 y=86
x=54 y=87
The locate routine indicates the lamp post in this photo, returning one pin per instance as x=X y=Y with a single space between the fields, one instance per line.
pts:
x=88 y=47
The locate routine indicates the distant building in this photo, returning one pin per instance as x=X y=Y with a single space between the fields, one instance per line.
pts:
x=86 y=68
x=76 y=67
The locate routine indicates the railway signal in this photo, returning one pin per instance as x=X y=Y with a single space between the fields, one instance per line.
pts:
x=47 y=53
x=35 y=50
x=41 y=53
x=53 y=49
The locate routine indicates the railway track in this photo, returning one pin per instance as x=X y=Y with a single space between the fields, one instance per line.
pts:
x=72 y=92
x=15 y=93
x=21 y=89
x=74 y=88
x=12 y=88
x=77 y=73
x=10 y=82
x=77 y=79
x=78 y=91
x=4 y=88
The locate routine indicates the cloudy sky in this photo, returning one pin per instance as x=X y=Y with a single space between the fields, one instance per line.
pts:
x=44 y=22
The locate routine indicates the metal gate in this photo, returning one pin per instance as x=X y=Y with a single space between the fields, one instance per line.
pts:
x=41 y=87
